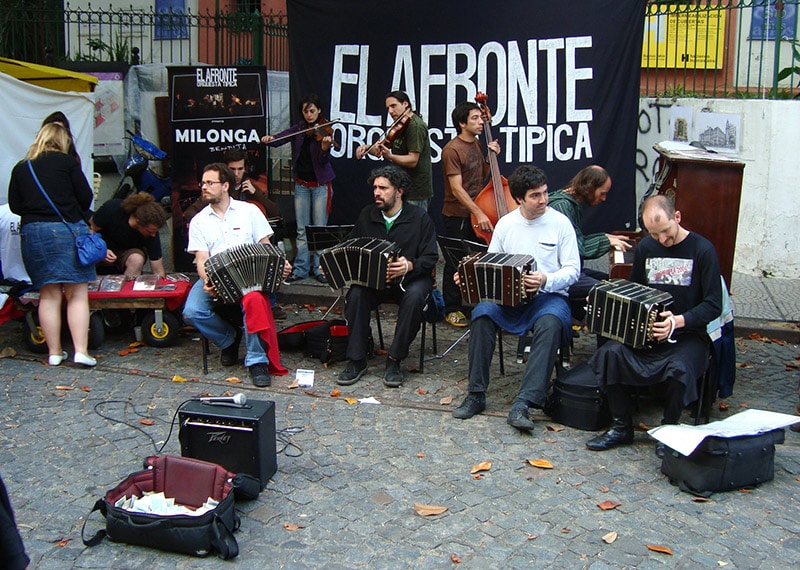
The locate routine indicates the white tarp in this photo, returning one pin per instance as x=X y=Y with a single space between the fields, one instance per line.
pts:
x=24 y=108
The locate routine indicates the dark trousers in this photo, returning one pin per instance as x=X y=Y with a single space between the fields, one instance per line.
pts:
x=579 y=290
x=547 y=333
x=459 y=228
x=358 y=309
x=619 y=400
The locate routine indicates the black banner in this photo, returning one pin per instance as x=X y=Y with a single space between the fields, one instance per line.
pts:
x=562 y=80
x=212 y=109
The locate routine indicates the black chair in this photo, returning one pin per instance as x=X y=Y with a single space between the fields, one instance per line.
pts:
x=233 y=315
x=428 y=307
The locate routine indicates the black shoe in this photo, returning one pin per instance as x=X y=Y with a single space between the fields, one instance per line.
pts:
x=293 y=278
x=471 y=406
x=393 y=378
x=259 y=374
x=321 y=278
x=661 y=450
x=621 y=433
x=278 y=313
x=230 y=355
x=518 y=417
x=354 y=370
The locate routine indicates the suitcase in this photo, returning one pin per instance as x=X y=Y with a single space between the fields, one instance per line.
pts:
x=578 y=401
x=724 y=463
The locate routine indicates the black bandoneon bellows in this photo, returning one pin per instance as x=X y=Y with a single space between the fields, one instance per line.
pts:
x=241 y=439
x=245 y=268
x=625 y=311
x=359 y=261
x=495 y=277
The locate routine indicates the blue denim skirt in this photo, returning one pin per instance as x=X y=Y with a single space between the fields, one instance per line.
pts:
x=49 y=254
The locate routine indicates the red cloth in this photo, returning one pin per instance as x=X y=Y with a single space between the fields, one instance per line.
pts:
x=258 y=319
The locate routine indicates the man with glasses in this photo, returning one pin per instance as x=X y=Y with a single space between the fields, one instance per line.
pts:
x=222 y=224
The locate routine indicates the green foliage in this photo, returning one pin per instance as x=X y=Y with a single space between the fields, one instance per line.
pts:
x=119 y=50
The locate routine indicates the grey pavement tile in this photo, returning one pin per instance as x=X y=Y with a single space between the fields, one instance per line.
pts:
x=354 y=453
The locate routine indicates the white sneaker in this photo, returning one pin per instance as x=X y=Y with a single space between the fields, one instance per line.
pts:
x=84 y=359
x=55 y=359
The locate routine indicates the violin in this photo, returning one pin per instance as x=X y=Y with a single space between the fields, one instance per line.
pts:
x=318 y=130
x=495 y=200
x=395 y=130
x=322 y=129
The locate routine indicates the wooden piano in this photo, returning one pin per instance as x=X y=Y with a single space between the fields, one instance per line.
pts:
x=620 y=262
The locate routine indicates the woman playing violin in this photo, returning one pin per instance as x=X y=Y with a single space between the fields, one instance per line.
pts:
x=407 y=145
x=313 y=175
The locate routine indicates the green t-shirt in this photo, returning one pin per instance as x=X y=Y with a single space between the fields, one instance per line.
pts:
x=415 y=139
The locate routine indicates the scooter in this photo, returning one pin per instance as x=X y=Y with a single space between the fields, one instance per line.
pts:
x=138 y=177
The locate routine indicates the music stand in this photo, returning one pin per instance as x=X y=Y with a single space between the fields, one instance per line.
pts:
x=324 y=237
x=454 y=250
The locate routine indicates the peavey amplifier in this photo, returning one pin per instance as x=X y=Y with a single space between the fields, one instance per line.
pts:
x=241 y=439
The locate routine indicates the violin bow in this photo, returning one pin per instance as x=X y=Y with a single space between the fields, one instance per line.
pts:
x=393 y=125
x=284 y=137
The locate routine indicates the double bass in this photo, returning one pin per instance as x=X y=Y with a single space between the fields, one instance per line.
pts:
x=495 y=200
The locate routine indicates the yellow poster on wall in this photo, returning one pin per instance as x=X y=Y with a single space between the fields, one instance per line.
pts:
x=685 y=40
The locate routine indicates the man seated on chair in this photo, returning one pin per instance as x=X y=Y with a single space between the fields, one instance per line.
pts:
x=538 y=230
x=222 y=224
x=589 y=187
x=130 y=229
x=412 y=230
x=684 y=264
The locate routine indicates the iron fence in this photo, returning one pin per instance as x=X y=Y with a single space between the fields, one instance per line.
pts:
x=51 y=34
x=704 y=48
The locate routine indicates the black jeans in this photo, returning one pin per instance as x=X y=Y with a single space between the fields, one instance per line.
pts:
x=459 y=228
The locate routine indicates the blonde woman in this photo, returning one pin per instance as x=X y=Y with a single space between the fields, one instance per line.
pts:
x=48 y=243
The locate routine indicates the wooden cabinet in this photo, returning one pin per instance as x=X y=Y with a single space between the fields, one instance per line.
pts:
x=706 y=188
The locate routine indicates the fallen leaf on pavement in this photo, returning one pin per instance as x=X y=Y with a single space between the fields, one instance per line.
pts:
x=146 y=422
x=477 y=476
x=124 y=352
x=178 y=378
x=565 y=530
x=60 y=387
x=532 y=536
x=540 y=463
x=335 y=393
x=723 y=406
x=8 y=352
x=310 y=393
x=700 y=499
x=455 y=559
x=294 y=384
x=63 y=542
x=744 y=365
x=420 y=455
x=136 y=344
x=233 y=380
x=778 y=341
x=604 y=489
x=351 y=401
x=291 y=526
x=554 y=428
x=657 y=548
x=86 y=389
x=428 y=510
x=610 y=537
x=446 y=401
x=743 y=405
x=421 y=391
x=381 y=351
x=608 y=505
x=482 y=466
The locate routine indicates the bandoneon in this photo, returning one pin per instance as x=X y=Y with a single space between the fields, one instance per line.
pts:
x=621 y=310
x=359 y=261
x=245 y=268
x=495 y=277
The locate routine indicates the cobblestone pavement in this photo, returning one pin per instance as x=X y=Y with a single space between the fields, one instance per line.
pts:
x=363 y=467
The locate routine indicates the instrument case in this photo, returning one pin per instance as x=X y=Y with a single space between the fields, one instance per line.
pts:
x=578 y=401
x=724 y=463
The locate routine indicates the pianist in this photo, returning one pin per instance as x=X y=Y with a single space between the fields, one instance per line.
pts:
x=589 y=187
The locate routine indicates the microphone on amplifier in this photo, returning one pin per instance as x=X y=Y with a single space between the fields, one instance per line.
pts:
x=235 y=400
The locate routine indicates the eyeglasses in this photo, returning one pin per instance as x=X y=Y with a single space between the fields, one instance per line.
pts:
x=209 y=183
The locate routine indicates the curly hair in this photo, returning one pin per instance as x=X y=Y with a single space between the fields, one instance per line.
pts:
x=145 y=209
x=526 y=178
x=396 y=176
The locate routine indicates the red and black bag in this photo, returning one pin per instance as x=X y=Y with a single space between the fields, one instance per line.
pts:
x=190 y=482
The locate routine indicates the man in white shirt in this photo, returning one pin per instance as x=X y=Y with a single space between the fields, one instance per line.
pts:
x=538 y=230
x=222 y=224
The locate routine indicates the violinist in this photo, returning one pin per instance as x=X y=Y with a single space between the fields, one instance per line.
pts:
x=465 y=171
x=408 y=146
x=313 y=175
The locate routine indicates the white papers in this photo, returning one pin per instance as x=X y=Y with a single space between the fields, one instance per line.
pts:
x=304 y=378
x=685 y=439
x=158 y=504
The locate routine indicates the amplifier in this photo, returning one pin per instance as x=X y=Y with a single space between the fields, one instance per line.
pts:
x=242 y=440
